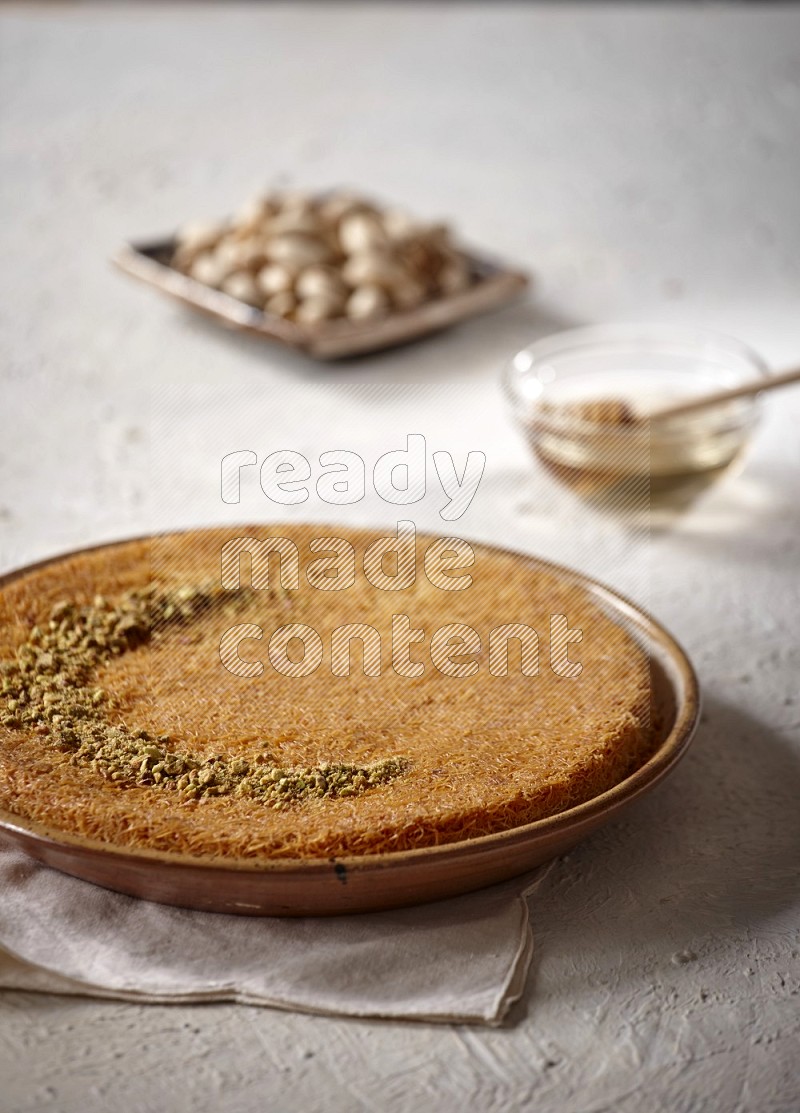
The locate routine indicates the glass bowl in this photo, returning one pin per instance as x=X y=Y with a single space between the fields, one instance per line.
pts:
x=563 y=390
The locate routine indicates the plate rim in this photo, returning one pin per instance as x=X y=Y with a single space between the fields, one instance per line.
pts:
x=660 y=645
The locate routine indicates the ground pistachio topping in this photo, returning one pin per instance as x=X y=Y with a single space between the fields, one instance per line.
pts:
x=49 y=689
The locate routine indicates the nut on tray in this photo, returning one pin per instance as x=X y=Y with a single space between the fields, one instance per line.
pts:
x=334 y=274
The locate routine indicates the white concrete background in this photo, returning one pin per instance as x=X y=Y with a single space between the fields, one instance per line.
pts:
x=645 y=164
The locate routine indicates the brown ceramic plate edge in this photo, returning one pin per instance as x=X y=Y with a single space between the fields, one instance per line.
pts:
x=495 y=283
x=297 y=887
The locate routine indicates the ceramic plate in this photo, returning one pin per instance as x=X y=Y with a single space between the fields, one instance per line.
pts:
x=384 y=881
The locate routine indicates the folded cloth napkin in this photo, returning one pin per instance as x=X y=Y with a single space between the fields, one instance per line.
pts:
x=461 y=960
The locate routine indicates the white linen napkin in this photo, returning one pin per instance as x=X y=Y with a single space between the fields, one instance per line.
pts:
x=459 y=960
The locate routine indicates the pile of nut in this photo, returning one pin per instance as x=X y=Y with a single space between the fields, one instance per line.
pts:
x=314 y=259
x=49 y=689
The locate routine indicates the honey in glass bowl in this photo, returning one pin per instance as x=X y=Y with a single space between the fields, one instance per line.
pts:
x=583 y=398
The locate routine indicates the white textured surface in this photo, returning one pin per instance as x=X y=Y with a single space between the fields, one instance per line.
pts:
x=645 y=163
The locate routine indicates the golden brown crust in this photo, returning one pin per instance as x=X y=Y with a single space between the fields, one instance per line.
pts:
x=486 y=753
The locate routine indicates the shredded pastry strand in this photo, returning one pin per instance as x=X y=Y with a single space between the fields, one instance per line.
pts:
x=370 y=763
